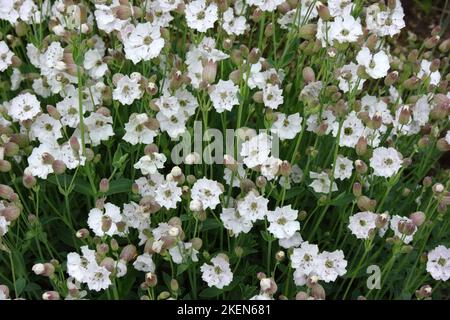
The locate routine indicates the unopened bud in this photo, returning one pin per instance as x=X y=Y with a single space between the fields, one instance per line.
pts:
x=104 y=185
x=418 y=218
x=59 y=167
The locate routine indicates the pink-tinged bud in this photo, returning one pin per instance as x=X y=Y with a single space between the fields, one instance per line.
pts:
x=47 y=158
x=442 y=145
x=382 y=220
x=357 y=189
x=268 y=286
x=412 y=83
x=128 y=253
x=82 y=234
x=302 y=295
x=360 y=166
x=423 y=142
x=6 y=192
x=413 y=56
x=174 y=286
x=104 y=185
x=247 y=185
x=50 y=295
x=365 y=203
x=5 y=290
x=436 y=31
x=108 y=263
x=235 y=76
x=438 y=188
x=427 y=181
x=258 y=97
x=318 y=292
x=10 y=213
x=406 y=227
x=38 y=268
x=28 y=181
x=106 y=223
x=254 y=56
x=268 y=31
x=285 y=168
x=361 y=146
x=102 y=249
x=435 y=64
x=135 y=188
x=418 y=218
x=59 y=167
x=424 y=292
x=114 y=245
x=432 y=42
x=227 y=44
x=391 y=78
x=308 y=31
x=5 y=166
x=11 y=149
x=209 y=71
x=53 y=112
x=405 y=115
x=261 y=182
x=150 y=149
x=261 y=275
x=151 y=279
x=122 y=12
x=323 y=11
x=74 y=144
x=444 y=47
x=308 y=75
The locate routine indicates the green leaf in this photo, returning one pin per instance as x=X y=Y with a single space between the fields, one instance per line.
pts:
x=20 y=285
x=211 y=224
x=182 y=268
x=80 y=185
x=119 y=186
x=210 y=292
x=341 y=200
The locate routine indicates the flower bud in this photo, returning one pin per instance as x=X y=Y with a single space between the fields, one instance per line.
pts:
x=360 y=166
x=50 y=295
x=357 y=189
x=391 y=78
x=382 y=220
x=424 y=292
x=361 y=146
x=307 y=31
x=405 y=115
x=151 y=279
x=406 y=227
x=209 y=71
x=254 y=56
x=418 y=218
x=10 y=213
x=5 y=166
x=82 y=234
x=106 y=223
x=323 y=11
x=104 y=185
x=280 y=255
x=128 y=253
x=11 y=149
x=444 y=47
x=442 y=145
x=308 y=75
x=432 y=42
x=318 y=292
x=438 y=188
x=365 y=203
x=59 y=167
x=412 y=83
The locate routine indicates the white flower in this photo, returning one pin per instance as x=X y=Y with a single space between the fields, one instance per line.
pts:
x=218 y=274
x=321 y=183
x=135 y=216
x=174 y=125
x=376 y=65
x=270 y=167
x=272 y=96
x=36 y=165
x=395 y=220
x=68 y=108
x=207 y=192
x=224 y=95
x=97 y=277
x=77 y=266
x=287 y=127
x=283 y=222
x=136 y=130
x=435 y=77
x=345 y=29
x=348 y=78
x=304 y=258
x=46 y=129
x=24 y=107
x=385 y=162
x=106 y=20
x=330 y=265
x=232 y=24
x=144 y=263
x=268 y=5
x=256 y=150
x=168 y=194
x=438 y=263
x=291 y=242
x=362 y=224
x=128 y=89
x=96 y=219
x=344 y=168
x=5 y=56
x=94 y=65
x=385 y=22
x=150 y=163
x=200 y=16
x=143 y=43
x=236 y=221
x=352 y=129
x=99 y=127
x=340 y=7
x=3 y=226
x=183 y=252
x=253 y=207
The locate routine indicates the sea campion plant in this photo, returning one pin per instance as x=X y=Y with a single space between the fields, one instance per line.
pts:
x=222 y=149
